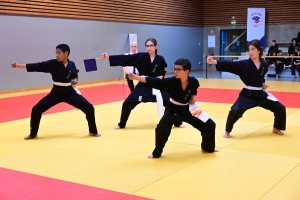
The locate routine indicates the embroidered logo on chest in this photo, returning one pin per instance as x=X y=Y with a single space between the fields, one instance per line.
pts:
x=187 y=95
x=69 y=74
x=262 y=71
x=155 y=66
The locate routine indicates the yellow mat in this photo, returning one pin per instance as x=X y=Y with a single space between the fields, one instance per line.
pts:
x=253 y=164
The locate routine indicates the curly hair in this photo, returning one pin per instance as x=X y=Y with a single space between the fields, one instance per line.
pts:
x=185 y=63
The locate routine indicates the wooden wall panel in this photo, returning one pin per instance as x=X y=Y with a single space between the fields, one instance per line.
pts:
x=169 y=12
x=220 y=12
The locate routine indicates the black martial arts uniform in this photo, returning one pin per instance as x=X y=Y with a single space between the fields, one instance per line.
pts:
x=141 y=93
x=279 y=66
x=294 y=67
x=58 y=94
x=291 y=51
x=130 y=82
x=175 y=113
x=256 y=96
x=271 y=51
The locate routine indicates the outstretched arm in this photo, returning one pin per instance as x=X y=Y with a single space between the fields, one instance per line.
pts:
x=226 y=66
x=17 y=65
x=210 y=60
x=123 y=60
x=104 y=56
x=136 y=77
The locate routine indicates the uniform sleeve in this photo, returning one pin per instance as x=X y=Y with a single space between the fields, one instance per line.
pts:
x=160 y=84
x=163 y=67
x=40 y=66
x=75 y=74
x=125 y=60
x=195 y=86
x=290 y=51
x=229 y=66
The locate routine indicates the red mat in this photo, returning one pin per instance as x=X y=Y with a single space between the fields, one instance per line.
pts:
x=16 y=185
x=14 y=108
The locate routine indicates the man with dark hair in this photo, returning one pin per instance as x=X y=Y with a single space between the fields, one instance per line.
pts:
x=182 y=89
x=65 y=76
x=273 y=50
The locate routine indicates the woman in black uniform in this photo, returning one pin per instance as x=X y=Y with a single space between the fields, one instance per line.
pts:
x=148 y=64
x=252 y=73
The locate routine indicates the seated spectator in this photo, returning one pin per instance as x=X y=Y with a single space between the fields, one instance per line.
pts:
x=279 y=64
x=291 y=51
x=273 y=50
x=271 y=61
x=298 y=39
x=296 y=62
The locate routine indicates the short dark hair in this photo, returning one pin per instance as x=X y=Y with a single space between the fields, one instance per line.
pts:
x=298 y=48
x=185 y=63
x=279 y=51
x=257 y=45
x=274 y=41
x=64 y=48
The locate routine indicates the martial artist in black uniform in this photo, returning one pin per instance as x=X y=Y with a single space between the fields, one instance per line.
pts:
x=148 y=64
x=291 y=51
x=182 y=89
x=279 y=64
x=273 y=49
x=252 y=72
x=296 y=62
x=64 y=74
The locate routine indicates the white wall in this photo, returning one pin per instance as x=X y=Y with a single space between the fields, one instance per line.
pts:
x=33 y=39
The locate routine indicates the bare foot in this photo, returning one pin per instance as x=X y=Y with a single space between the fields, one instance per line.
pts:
x=28 y=137
x=181 y=126
x=227 y=134
x=117 y=127
x=95 y=135
x=277 y=131
x=150 y=156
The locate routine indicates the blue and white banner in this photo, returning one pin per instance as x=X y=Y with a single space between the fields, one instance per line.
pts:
x=256 y=24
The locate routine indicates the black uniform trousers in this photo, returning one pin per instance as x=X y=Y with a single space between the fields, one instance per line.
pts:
x=279 y=68
x=50 y=100
x=163 y=130
x=293 y=69
x=130 y=83
x=133 y=100
x=243 y=103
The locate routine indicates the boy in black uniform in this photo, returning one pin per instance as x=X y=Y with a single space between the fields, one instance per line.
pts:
x=64 y=74
x=279 y=64
x=182 y=88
